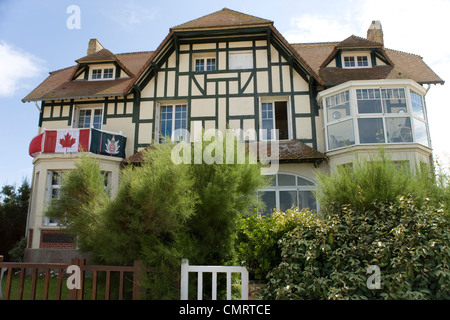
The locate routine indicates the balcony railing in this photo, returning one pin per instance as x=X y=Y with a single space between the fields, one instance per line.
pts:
x=79 y=140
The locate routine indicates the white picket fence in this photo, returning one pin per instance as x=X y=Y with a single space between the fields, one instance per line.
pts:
x=186 y=269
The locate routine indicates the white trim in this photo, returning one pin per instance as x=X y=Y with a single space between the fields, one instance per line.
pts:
x=355 y=55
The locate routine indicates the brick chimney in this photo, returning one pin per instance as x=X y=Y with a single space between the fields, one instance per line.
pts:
x=94 y=46
x=375 y=33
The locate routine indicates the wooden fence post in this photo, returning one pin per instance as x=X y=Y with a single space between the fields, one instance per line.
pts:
x=77 y=294
x=138 y=276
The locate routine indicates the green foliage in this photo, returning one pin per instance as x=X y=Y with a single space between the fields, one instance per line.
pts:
x=13 y=216
x=328 y=258
x=162 y=212
x=257 y=239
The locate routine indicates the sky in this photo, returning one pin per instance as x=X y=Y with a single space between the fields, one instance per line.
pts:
x=37 y=37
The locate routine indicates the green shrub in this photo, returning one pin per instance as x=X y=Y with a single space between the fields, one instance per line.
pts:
x=328 y=258
x=257 y=239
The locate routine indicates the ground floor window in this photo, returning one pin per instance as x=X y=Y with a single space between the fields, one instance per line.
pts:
x=287 y=191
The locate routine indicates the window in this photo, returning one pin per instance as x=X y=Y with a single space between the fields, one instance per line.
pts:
x=240 y=60
x=205 y=64
x=89 y=118
x=173 y=123
x=97 y=74
x=54 y=179
x=375 y=115
x=102 y=74
x=351 y=60
x=108 y=73
x=288 y=191
x=274 y=115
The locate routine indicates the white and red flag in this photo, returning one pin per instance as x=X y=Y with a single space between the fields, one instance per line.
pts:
x=66 y=141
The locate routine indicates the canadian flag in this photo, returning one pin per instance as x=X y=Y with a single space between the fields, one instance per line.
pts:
x=66 y=141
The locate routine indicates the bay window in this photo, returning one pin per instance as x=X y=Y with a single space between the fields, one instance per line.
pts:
x=371 y=112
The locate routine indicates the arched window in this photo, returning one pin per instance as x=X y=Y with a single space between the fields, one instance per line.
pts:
x=288 y=190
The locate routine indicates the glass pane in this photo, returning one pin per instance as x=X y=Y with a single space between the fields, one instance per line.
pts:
x=166 y=123
x=420 y=132
x=269 y=198
x=341 y=134
x=398 y=129
x=108 y=73
x=97 y=119
x=180 y=123
x=394 y=100
x=267 y=120
x=84 y=118
x=338 y=106
x=369 y=100
x=199 y=65
x=371 y=130
x=304 y=182
x=286 y=180
x=417 y=105
x=288 y=199
x=363 y=61
x=97 y=74
x=349 y=62
x=307 y=200
x=210 y=64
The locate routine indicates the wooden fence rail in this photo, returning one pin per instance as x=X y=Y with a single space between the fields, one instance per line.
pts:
x=33 y=270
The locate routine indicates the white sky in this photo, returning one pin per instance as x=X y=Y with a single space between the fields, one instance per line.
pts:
x=34 y=40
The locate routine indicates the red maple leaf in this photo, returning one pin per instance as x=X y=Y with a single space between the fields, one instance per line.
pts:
x=67 y=142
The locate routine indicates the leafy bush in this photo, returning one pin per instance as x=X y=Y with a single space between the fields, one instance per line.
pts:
x=257 y=239
x=328 y=258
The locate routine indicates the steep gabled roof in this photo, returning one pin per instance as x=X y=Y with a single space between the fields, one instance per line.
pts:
x=358 y=42
x=222 y=18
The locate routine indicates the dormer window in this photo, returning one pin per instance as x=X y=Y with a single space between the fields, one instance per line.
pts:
x=355 y=60
x=102 y=73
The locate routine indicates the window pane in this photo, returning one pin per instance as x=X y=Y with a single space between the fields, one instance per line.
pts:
x=420 y=132
x=304 y=182
x=398 y=129
x=286 y=180
x=199 y=65
x=349 y=62
x=267 y=120
x=180 y=123
x=84 y=118
x=363 y=61
x=108 y=73
x=338 y=106
x=97 y=119
x=369 y=100
x=341 y=134
x=417 y=105
x=394 y=100
x=288 y=199
x=211 y=64
x=307 y=200
x=371 y=130
x=97 y=74
x=166 y=123
x=269 y=198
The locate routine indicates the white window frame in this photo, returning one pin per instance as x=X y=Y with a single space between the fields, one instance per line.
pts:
x=298 y=188
x=289 y=117
x=76 y=116
x=356 y=55
x=205 y=63
x=49 y=195
x=102 y=68
x=352 y=86
x=159 y=107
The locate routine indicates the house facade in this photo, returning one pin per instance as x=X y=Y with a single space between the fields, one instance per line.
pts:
x=227 y=70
